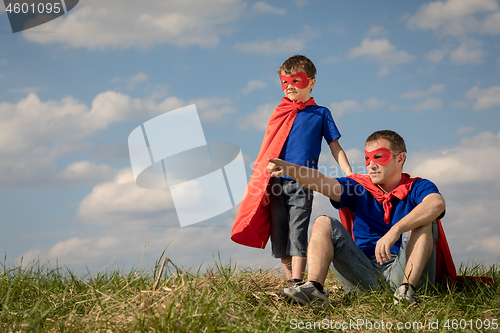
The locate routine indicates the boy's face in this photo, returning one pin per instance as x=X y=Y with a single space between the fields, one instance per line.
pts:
x=294 y=93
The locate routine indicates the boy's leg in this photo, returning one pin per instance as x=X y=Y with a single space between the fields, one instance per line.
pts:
x=299 y=210
x=279 y=225
x=294 y=267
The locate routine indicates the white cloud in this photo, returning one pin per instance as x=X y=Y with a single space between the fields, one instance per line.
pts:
x=429 y=104
x=85 y=172
x=469 y=52
x=434 y=89
x=253 y=85
x=376 y=31
x=473 y=161
x=338 y=109
x=381 y=51
x=435 y=56
x=259 y=118
x=121 y=201
x=266 y=8
x=456 y=17
x=213 y=109
x=130 y=82
x=466 y=176
x=485 y=98
x=35 y=134
x=462 y=130
x=130 y=24
x=290 y=45
x=330 y=59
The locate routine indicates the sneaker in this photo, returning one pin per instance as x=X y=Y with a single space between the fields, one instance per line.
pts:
x=305 y=293
x=405 y=295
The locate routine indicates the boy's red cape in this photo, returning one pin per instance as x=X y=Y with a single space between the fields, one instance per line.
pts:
x=252 y=224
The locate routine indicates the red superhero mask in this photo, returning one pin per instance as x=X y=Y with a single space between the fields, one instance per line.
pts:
x=303 y=83
x=380 y=156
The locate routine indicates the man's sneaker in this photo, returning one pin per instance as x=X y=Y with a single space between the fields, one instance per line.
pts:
x=405 y=295
x=306 y=293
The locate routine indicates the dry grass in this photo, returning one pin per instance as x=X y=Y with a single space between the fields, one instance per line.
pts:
x=225 y=298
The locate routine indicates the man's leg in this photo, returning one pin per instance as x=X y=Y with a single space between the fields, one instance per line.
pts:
x=330 y=242
x=418 y=252
x=319 y=256
x=320 y=250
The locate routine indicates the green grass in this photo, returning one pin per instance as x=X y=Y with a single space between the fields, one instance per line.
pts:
x=38 y=298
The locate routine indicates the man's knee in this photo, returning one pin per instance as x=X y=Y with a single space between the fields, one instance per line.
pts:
x=422 y=230
x=322 y=226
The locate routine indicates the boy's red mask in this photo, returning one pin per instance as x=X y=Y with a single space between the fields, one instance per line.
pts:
x=380 y=156
x=303 y=83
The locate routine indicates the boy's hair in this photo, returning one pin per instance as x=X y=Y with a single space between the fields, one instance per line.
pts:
x=296 y=64
x=396 y=142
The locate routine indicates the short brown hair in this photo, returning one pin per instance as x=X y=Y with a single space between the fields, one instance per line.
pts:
x=296 y=63
x=396 y=142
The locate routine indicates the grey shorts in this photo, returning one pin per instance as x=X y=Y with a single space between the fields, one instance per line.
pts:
x=290 y=205
x=353 y=268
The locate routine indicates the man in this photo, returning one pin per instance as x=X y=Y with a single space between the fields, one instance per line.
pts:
x=393 y=229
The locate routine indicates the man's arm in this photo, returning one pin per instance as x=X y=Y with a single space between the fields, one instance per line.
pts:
x=340 y=156
x=307 y=177
x=424 y=213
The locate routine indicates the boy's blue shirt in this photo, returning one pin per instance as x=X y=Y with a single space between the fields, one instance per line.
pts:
x=303 y=144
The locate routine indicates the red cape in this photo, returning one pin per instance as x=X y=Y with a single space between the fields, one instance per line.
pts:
x=252 y=224
x=445 y=268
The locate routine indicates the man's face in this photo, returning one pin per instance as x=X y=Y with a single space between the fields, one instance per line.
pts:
x=387 y=169
x=290 y=83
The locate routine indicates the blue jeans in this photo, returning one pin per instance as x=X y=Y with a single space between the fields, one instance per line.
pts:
x=353 y=268
x=290 y=205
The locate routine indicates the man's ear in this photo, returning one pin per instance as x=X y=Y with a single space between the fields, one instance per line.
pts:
x=401 y=158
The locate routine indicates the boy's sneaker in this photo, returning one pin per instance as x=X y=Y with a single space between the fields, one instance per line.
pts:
x=405 y=295
x=305 y=293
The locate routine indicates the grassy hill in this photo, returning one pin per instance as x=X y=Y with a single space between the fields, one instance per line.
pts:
x=37 y=298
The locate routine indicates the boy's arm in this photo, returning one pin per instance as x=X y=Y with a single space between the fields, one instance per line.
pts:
x=424 y=213
x=340 y=156
x=307 y=177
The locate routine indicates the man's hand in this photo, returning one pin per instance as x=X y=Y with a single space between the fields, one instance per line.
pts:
x=384 y=244
x=278 y=167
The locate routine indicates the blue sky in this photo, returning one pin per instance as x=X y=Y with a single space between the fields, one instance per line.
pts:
x=72 y=90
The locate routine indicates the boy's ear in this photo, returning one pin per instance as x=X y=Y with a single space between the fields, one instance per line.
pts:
x=312 y=82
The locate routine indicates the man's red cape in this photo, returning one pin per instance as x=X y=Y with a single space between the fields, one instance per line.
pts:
x=252 y=224
x=445 y=268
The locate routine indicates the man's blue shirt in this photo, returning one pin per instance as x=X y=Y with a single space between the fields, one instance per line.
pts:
x=368 y=224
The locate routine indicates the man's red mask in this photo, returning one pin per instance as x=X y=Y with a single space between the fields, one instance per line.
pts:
x=303 y=83
x=380 y=156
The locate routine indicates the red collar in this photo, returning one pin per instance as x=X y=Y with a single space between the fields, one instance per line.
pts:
x=399 y=192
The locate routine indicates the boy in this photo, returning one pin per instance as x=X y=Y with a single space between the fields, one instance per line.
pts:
x=294 y=134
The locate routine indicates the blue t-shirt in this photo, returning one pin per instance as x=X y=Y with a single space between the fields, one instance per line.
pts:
x=368 y=224
x=303 y=144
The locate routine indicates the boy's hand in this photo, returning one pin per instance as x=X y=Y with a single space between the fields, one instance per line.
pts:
x=277 y=167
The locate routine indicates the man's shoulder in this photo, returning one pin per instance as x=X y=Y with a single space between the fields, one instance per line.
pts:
x=422 y=182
